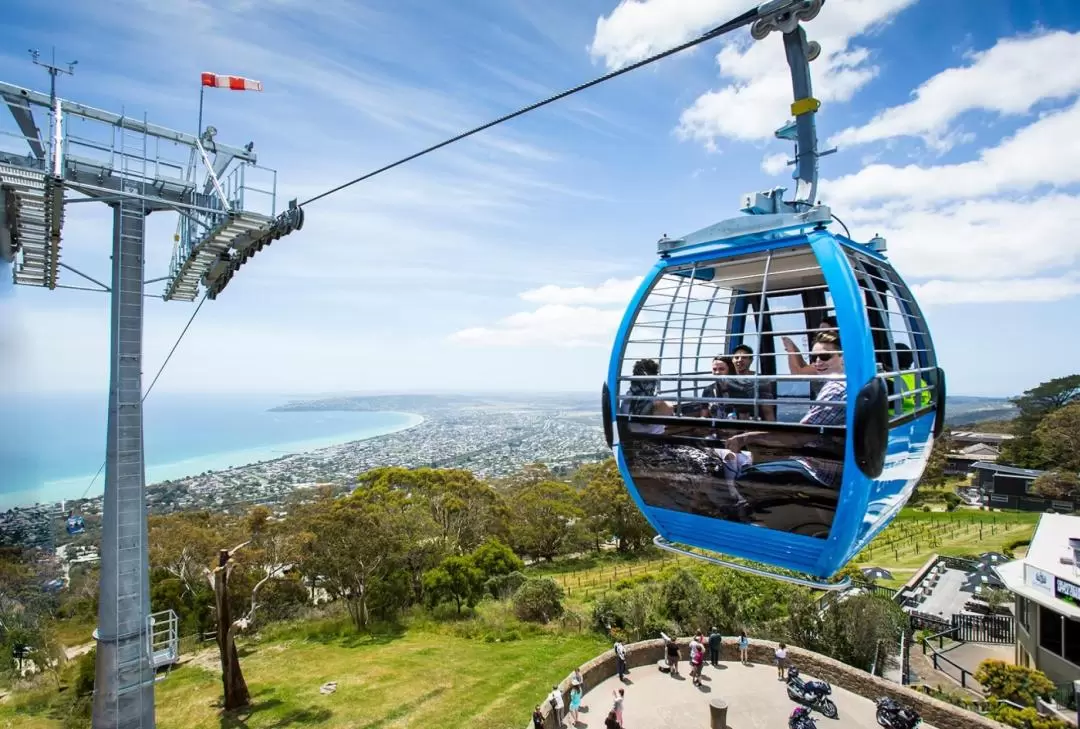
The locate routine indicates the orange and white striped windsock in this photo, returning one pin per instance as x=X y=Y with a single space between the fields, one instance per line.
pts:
x=235 y=83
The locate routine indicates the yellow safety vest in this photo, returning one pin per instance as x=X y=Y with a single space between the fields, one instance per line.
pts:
x=911 y=383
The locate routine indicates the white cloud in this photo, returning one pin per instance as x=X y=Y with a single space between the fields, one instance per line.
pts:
x=612 y=291
x=774 y=164
x=758 y=97
x=1009 y=79
x=552 y=325
x=1031 y=290
x=1046 y=152
x=569 y=316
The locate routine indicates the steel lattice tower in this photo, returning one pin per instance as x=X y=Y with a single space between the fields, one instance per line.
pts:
x=118 y=160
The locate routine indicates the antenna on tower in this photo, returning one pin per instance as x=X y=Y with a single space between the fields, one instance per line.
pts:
x=55 y=133
x=53 y=69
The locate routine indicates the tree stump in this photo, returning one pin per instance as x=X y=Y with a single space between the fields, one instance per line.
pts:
x=718 y=714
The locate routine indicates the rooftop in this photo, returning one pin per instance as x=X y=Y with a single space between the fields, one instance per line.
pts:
x=754 y=695
x=1008 y=470
x=967 y=436
x=1050 y=545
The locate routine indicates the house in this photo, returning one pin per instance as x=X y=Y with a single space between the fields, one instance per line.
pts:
x=1046 y=587
x=962 y=462
x=961 y=438
x=1009 y=487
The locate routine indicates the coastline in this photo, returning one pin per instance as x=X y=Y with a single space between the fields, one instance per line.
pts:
x=53 y=491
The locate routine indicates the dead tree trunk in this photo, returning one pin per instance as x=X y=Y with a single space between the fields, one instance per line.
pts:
x=232 y=678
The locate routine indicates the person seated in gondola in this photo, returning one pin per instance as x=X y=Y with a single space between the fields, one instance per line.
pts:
x=721 y=366
x=641 y=399
x=826 y=358
x=750 y=388
x=797 y=365
x=905 y=358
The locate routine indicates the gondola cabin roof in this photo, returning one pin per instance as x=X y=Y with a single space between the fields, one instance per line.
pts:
x=760 y=229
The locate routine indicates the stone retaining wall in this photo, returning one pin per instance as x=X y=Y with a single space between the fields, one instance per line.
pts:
x=648 y=652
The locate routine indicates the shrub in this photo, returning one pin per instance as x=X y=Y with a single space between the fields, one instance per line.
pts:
x=1027 y=718
x=1013 y=683
x=539 y=599
x=952 y=501
x=1009 y=548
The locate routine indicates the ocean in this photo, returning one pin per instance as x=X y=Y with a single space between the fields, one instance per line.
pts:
x=51 y=447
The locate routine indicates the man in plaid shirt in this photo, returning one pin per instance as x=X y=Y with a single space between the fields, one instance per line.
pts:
x=827 y=359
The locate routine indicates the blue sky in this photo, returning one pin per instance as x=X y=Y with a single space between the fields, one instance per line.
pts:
x=503 y=262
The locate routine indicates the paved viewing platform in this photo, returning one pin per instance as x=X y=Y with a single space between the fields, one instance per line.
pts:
x=756 y=699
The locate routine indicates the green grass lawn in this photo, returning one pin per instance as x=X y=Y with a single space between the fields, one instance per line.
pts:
x=423 y=677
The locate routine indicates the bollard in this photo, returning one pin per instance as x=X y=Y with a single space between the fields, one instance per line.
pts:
x=718 y=713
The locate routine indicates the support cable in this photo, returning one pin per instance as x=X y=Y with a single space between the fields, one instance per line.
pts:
x=745 y=19
x=154 y=381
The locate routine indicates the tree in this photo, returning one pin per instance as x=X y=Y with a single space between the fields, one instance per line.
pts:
x=456 y=578
x=538 y=600
x=546 y=520
x=609 y=509
x=1013 y=683
x=182 y=544
x=1034 y=405
x=493 y=558
x=863 y=630
x=463 y=507
x=1056 y=485
x=352 y=542
x=684 y=601
x=1058 y=435
x=232 y=677
x=995 y=598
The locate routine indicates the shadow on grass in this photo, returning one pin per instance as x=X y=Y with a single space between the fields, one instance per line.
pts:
x=346 y=636
x=403 y=710
x=238 y=719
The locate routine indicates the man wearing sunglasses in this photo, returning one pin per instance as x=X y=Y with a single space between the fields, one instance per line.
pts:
x=827 y=359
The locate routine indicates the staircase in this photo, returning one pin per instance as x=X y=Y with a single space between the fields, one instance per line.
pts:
x=198 y=253
x=34 y=208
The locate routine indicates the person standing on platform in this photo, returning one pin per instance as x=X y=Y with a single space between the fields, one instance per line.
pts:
x=714 y=646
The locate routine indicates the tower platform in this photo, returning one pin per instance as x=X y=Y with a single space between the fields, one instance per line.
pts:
x=189 y=268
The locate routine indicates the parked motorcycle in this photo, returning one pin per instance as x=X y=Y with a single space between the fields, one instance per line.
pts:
x=892 y=715
x=811 y=693
x=801 y=718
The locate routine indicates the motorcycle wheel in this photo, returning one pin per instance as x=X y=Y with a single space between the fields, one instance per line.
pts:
x=828 y=708
x=882 y=720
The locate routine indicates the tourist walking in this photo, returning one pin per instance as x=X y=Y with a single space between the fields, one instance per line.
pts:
x=538 y=719
x=618 y=706
x=612 y=722
x=575 y=703
x=744 y=648
x=714 y=646
x=620 y=659
x=576 y=679
x=781 y=661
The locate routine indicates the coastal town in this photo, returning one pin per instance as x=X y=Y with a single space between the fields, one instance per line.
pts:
x=492 y=437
